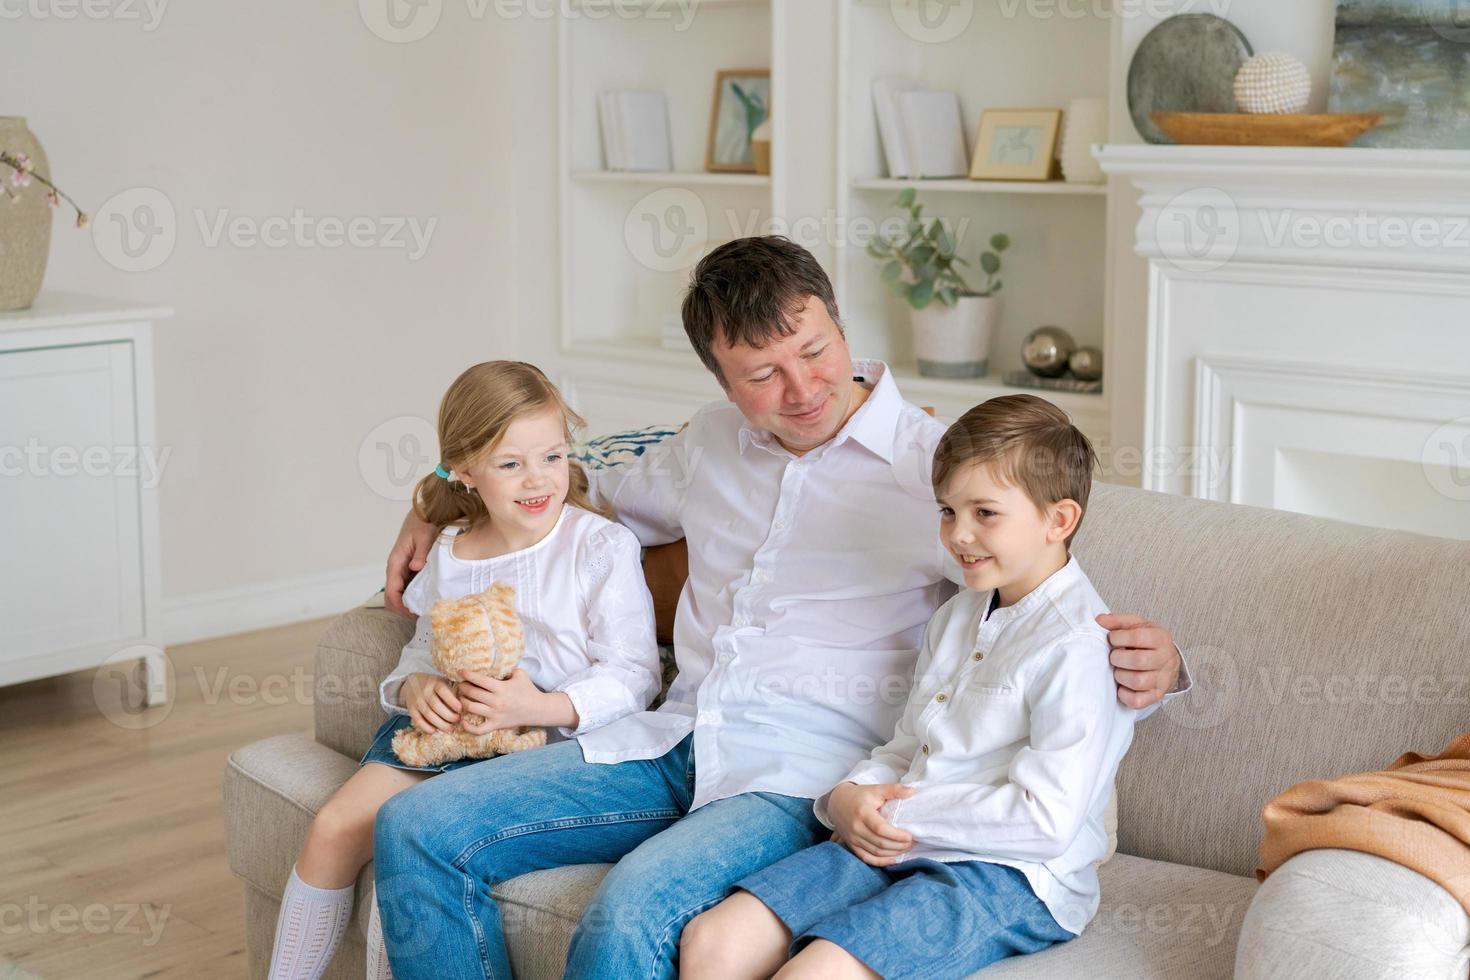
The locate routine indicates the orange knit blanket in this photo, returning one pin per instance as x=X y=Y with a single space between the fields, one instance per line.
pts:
x=1416 y=813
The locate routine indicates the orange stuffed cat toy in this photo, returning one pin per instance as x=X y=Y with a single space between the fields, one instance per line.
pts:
x=477 y=633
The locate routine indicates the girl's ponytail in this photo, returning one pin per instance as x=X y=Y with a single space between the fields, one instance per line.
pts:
x=442 y=502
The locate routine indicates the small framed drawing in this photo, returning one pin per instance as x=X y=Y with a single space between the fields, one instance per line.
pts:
x=1016 y=144
x=742 y=102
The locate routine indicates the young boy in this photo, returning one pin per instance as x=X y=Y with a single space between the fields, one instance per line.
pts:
x=975 y=832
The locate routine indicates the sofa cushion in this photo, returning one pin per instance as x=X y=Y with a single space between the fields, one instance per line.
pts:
x=1317 y=648
x=1156 y=919
x=1368 y=918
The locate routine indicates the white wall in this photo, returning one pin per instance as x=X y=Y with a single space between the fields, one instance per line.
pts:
x=279 y=361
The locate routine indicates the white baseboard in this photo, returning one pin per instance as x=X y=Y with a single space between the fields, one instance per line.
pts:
x=205 y=615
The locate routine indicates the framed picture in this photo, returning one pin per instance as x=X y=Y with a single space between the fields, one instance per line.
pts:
x=1407 y=61
x=1016 y=144
x=742 y=102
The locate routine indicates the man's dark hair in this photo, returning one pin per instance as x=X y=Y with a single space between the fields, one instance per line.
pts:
x=749 y=291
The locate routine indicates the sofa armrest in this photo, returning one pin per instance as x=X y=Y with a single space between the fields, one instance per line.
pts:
x=354 y=656
x=1339 y=913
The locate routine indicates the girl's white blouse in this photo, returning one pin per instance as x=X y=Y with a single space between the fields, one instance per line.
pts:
x=584 y=608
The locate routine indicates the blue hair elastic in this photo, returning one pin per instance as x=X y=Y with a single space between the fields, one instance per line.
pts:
x=443 y=474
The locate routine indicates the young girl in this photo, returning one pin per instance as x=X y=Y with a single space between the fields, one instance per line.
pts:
x=590 y=655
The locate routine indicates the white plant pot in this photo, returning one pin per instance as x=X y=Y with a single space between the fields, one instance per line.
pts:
x=954 y=341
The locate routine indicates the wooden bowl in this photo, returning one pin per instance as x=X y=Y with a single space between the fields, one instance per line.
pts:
x=1264 y=129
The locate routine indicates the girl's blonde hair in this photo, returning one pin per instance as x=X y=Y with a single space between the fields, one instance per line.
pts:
x=476 y=410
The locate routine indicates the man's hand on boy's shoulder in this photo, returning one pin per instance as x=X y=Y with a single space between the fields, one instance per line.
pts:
x=861 y=828
x=1145 y=658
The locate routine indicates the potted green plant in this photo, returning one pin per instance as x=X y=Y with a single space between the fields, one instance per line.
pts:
x=953 y=322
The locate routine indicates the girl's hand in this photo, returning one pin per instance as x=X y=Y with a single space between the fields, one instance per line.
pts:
x=512 y=703
x=431 y=703
x=861 y=828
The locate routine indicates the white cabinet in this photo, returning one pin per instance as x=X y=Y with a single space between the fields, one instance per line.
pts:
x=79 y=471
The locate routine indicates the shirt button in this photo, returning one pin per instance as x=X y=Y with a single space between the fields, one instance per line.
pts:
x=725 y=658
x=926 y=748
x=941 y=698
x=979 y=655
x=780 y=525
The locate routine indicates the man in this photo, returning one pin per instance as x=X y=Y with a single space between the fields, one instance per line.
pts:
x=813 y=565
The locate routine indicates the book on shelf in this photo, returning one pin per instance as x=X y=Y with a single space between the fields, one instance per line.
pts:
x=920 y=129
x=1025 y=379
x=635 y=131
x=934 y=136
x=890 y=131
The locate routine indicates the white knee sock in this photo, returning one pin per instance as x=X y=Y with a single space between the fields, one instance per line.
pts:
x=377 y=952
x=309 y=929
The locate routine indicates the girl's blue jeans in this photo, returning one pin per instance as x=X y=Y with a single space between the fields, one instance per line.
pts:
x=441 y=845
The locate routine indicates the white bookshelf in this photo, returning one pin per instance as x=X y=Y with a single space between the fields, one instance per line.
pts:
x=622 y=276
x=672 y=178
x=828 y=168
x=965 y=186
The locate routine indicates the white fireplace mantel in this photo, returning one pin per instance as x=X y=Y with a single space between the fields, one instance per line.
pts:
x=1307 y=344
x=1206 y=206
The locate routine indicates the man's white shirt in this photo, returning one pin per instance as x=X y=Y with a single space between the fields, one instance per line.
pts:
x=810 y=581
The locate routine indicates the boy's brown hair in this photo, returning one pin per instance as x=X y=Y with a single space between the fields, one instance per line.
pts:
x=1032 y=444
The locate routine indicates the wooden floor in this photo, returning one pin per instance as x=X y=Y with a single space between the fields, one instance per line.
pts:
x=113 y=858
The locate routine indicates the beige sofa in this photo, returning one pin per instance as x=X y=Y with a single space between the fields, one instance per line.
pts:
x=1317 y=648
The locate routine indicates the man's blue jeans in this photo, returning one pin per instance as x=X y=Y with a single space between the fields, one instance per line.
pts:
x=441 y=845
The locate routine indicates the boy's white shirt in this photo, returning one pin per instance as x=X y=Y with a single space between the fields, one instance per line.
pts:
x=810 y=581
x=585 y=613
x=1012 y=738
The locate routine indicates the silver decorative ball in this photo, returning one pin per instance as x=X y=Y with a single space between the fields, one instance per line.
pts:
x=1086 y=363
x=1046 y=351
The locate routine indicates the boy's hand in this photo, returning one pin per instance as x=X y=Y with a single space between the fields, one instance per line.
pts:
x=861 y=828
x=409 y=553
x=431 y=703
x=512 y=703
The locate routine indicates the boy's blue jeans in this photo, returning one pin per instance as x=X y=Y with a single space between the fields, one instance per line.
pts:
x=441 y=845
